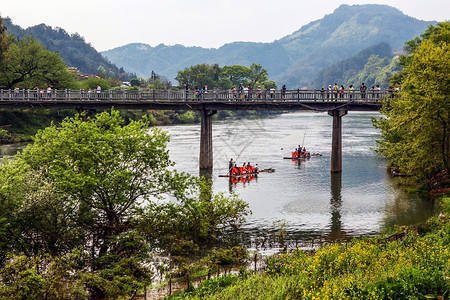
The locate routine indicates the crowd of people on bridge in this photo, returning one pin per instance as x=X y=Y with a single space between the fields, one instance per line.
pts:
x=244 y=92
x=336 y=92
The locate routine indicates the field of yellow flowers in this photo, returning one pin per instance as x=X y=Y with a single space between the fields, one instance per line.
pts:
x=417 y=266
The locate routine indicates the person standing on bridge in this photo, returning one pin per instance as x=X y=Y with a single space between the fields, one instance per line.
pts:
x=49 y=92
x=36 y=94
x=283 y=91
x=335 y=91
x=187 y=91
x=341 y=92
x=99 y=89
x=239 y=91
x=362 y=90
x=350 y=91
x=16 y=91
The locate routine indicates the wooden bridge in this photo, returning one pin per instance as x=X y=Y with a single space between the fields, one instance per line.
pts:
x=336 y=103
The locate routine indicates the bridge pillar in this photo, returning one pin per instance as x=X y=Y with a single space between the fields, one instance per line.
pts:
x=206 y=146
x=336 y=142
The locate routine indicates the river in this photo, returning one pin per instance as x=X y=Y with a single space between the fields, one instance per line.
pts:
x=302 y=197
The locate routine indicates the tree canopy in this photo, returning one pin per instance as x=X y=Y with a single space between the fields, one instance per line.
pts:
x=4 y=41
x=27 y=64
x=225 y=77
x=110 y=191
x=416 y=130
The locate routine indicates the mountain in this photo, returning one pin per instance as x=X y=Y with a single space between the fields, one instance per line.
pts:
x=343 y=71
x=72 y=48
x=294 y=60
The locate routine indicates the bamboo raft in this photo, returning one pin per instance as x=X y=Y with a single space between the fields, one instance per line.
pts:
x=270 y=170
x=303 y=157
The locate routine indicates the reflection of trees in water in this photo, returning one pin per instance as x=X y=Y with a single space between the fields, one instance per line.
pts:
x=405 y=209
x=279 y=236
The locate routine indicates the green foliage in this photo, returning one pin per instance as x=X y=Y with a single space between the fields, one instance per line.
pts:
x=223 y=78
x=354 y=70
x=137 y=82
x=100 y=163
x=97 y=183
x=4 y=41
x=28 y=64
x=182 y=227
x=28 y=122
x=229 y=257
x=91 y=83
x=42 y=277
x=73 y=49
x=416 y=136
x=208 y=287
x=377 y=71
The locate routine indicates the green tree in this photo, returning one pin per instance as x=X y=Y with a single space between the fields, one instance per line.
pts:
x=101 y=165
x=237 y=74
x=199 y=75
x=436 y=34
x=258 y=74
x=137 y=81
x=4 y=41
x=36 y=217
x=28 y=64
x=91 y=83
x=416 y=132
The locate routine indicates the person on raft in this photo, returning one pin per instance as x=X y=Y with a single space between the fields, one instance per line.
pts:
x=230 y=166
x=245 y=169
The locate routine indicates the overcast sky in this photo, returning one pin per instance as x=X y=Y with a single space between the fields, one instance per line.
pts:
x=107 y=24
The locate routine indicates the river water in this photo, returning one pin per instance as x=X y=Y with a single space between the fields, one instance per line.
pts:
x=302 y=197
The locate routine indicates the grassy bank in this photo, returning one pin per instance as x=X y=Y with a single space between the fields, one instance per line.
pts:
x=413 y=263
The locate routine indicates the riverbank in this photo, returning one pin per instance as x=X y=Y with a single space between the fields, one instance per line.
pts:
x=413 y=261
x=22 y=125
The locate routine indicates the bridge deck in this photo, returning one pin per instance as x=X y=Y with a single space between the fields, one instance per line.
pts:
x=180 y=100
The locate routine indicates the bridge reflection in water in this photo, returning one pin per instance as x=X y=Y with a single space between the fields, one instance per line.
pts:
x=335 y=102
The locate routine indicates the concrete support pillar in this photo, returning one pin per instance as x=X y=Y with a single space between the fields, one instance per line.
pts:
x=206 y=145
x=336 y=142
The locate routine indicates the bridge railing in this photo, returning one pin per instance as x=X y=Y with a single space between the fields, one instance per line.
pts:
x=212 y=95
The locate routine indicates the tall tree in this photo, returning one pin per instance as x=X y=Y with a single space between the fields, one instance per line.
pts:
x=27 y=64
x=101 y=164
x=258 y=74
x=4 y=41
x=416 y=132
x=199 y=75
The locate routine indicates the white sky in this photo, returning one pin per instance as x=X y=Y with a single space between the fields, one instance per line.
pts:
x=107 y=24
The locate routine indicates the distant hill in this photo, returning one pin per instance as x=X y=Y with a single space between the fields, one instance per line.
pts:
x=294 y=60
x=345 y=70
x=72 y=48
